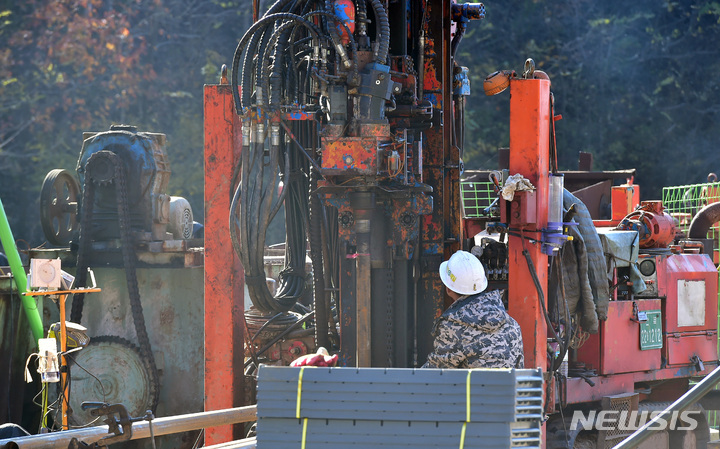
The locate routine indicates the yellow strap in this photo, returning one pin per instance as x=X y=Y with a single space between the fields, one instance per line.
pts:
x=467 y=408
x=467 y=399
x=304 y=434
x=299 y=398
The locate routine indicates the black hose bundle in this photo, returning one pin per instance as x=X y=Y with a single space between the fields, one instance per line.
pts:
x=286 y=60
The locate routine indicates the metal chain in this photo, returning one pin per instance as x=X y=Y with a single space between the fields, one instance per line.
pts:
x=84 y=238
x=389 y=310
x=129 y=258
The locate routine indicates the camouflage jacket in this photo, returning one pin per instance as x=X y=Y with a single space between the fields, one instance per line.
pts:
x=477 y=332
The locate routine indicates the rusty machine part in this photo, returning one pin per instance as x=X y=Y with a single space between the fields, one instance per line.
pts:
x=101 y=169
x=111 y=370
x=59 y=199
x=497 y=82
x=153 y=214
x=112 y=209
x=655 y=228
x=145 y=162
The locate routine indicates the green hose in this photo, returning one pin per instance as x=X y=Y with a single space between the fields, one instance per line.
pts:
x=18 y=272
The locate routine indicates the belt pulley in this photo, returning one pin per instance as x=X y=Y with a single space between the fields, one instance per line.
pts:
x=104 y=168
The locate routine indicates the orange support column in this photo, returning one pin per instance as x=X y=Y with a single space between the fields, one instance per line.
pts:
x=529 y=156
x=224 y=275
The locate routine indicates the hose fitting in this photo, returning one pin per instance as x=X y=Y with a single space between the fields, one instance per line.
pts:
x=246 y=130
x=275 y=135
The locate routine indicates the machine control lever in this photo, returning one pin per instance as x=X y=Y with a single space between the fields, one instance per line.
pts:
x=698 y=363
x=120 y=426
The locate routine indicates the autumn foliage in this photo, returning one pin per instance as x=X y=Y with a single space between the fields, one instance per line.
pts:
x=636 y=83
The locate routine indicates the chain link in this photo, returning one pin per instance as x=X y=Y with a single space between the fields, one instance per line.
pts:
x=390 y=312
x=85 y=238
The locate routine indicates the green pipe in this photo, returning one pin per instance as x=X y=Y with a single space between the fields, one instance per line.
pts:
x=18 y=272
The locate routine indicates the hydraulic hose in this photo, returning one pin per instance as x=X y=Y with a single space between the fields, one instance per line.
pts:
x=249 y=246
x=353 y=44
x=382 y=31
x=250 y=54
x=461 y=27
x=272 y=82
x=541 y=296
x=557 y=261
x=252 y=210
x=239 y=105
x=332 y=31
x=248 y=63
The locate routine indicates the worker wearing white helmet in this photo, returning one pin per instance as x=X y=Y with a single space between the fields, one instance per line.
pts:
x=475 y=331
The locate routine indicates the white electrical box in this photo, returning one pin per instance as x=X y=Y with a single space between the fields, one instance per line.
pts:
x=48 y=366
x=45 y=273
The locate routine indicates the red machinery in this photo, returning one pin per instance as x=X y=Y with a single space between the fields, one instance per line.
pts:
x=361 y=119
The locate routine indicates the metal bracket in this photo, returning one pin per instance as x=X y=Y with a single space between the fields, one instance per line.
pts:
x=697 y=363
x=120 y=426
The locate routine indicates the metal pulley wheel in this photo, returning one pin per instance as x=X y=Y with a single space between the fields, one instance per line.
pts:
x=111 y=370
x=59 y=206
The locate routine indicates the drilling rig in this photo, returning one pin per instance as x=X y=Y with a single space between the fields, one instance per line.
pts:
x=346 y=119
x=357 y=111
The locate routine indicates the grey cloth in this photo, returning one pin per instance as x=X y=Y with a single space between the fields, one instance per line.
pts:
x=621 y=250
x=477 y=332
x=584 y=269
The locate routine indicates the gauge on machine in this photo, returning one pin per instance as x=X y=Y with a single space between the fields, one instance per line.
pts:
x=647 y=267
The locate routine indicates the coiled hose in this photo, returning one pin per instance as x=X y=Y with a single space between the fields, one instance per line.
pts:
x=265 y=21
x=273 y=73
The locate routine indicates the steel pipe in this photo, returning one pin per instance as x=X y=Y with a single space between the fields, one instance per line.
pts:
x=160 y=426
x=704 y=219
x=246 y=443
x=685 y=401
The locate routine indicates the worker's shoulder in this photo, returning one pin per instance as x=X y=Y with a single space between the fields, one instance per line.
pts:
x=488 y=299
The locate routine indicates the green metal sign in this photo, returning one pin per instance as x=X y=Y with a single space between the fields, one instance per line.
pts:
x=651 y=330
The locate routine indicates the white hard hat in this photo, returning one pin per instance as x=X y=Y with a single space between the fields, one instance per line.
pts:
x=463 y=273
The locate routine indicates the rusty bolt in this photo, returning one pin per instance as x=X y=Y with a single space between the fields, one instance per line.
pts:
x=346 y=219
x=407 y=219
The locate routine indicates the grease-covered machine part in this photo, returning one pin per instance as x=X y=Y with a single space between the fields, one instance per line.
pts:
x=111 y=370
x=148 y=172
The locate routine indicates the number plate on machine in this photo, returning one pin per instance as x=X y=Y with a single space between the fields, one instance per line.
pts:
x=651 y=331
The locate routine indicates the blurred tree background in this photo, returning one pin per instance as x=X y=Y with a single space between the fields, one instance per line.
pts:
x=635 y=82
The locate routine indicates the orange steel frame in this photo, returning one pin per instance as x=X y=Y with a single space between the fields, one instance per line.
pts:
x=529 y=156
x=224 y=275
